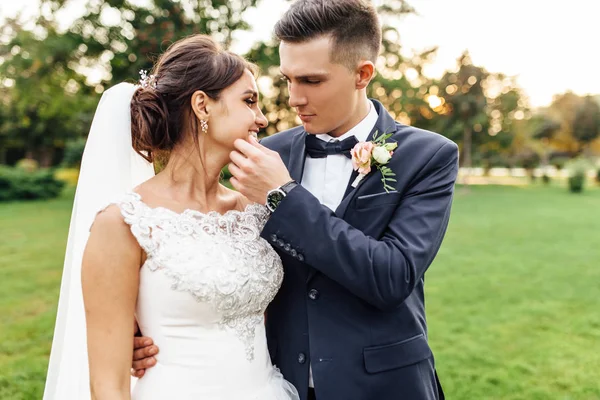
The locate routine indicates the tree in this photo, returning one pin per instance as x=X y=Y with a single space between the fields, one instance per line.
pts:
x=464 y=106
x=46 y=88
x=508 y=114
x=124 y=38
x=586 y=125
x=45 y=102
x=541 y=129
x=579 y=123
x=483 y=112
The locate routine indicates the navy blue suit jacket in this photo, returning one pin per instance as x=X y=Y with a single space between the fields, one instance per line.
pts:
x=351 y=303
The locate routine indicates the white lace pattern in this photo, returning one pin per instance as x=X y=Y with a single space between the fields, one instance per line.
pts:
x=220 y=259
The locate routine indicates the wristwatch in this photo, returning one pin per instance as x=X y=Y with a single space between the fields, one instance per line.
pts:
x=275 y=196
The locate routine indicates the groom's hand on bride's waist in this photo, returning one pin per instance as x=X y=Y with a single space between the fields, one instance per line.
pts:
x=144 y=351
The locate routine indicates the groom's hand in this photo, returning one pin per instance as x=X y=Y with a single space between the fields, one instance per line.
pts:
x=144 y=351
x=255 y=170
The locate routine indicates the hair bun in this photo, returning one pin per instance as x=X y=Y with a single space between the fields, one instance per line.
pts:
x=150 y=131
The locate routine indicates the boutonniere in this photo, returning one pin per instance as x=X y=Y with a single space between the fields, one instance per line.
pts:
x=375 y=153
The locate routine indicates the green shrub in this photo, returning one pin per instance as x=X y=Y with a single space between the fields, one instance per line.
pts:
x=73 y=153
x=578 y=169
x=67 y=175
x=27 y=164
x=559 y=162
x=546 y=179
x=17 y=184
x=577 y=174
x=598 y=176
x=577 y=182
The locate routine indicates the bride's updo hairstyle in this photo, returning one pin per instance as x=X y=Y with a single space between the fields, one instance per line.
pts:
x=161 y=112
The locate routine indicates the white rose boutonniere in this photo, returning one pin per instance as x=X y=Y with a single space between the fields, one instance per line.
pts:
x=376 y=153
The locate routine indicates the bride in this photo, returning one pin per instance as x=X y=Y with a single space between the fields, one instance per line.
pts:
x=178 y=251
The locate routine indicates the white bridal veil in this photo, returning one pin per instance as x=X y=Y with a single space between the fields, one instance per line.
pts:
x=109 y=168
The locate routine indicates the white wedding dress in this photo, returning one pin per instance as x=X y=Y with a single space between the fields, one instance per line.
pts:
x=204 y=288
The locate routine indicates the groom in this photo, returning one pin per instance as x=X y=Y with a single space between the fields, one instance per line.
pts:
x=349 y=320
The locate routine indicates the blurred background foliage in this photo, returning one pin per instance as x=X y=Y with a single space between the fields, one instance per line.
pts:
x=48 y=98
x=513 y=292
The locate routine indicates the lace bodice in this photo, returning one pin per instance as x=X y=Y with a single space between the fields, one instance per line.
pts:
x=219 y=259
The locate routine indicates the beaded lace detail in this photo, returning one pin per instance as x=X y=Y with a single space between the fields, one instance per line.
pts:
x=220 y=259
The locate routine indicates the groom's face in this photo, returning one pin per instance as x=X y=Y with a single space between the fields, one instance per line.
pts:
x=323 y=93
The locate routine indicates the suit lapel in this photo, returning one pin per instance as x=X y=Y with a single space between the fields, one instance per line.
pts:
x=296 y=169
x=385 y=124
x=297 y=156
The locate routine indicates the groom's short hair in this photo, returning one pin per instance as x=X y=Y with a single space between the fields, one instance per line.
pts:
x=352 y=24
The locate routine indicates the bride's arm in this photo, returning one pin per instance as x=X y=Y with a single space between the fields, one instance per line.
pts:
x=110 y=279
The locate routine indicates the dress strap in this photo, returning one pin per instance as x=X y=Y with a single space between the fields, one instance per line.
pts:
x=139 y=217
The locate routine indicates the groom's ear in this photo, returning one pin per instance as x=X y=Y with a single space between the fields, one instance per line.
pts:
x=200 y=104
x=365 y=71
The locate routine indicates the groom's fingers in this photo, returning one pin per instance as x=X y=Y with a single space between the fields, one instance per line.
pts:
x=143 y=364
x=239 y=161
x=254 y=142
x=248 y=149
x=145 y=352
x=236 y=184
x=235 y=171
x=141 y=341
x=138 y=373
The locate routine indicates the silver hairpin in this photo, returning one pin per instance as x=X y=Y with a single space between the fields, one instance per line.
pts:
x=147 y=80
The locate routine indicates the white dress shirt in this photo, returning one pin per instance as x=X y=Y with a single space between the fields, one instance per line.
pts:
x=327 y=178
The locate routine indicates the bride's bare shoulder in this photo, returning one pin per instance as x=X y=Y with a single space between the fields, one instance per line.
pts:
x=111 y=236
x=109 y=220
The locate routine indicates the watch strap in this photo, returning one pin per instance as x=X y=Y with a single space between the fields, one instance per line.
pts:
x=287 y=187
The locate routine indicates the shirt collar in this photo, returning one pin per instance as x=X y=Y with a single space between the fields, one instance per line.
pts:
x=360 y=130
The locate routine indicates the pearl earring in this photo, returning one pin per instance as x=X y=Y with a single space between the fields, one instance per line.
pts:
x=204 y=125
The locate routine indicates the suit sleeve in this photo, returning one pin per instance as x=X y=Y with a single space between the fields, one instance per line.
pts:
x=383 y=271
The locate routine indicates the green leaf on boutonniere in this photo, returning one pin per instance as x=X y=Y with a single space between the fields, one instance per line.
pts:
x=386 y=173
x=379 y=142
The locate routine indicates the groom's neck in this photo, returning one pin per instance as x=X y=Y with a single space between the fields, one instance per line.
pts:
x=358 y=113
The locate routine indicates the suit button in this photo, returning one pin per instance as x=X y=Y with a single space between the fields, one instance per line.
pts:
x=300 y=257
x=313 y=294
x=293 y=253
x=301 y=358
x=280 y=243
x=273 y=238
x=287 y=247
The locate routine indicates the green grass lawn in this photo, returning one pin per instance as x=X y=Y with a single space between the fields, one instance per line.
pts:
x=513 y=299
x=514 y=295
x=32 y=247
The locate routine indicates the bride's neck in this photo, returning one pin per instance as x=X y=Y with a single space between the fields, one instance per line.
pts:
x=195 y=173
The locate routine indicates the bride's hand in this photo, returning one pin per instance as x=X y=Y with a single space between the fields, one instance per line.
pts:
x=144 y=351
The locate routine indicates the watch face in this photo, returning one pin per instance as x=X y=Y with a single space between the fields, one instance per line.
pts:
x=274 y=198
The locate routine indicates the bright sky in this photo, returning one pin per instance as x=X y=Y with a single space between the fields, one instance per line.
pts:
x=548 y=45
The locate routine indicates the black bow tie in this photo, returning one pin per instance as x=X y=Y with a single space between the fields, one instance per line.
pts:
x=317 y=148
